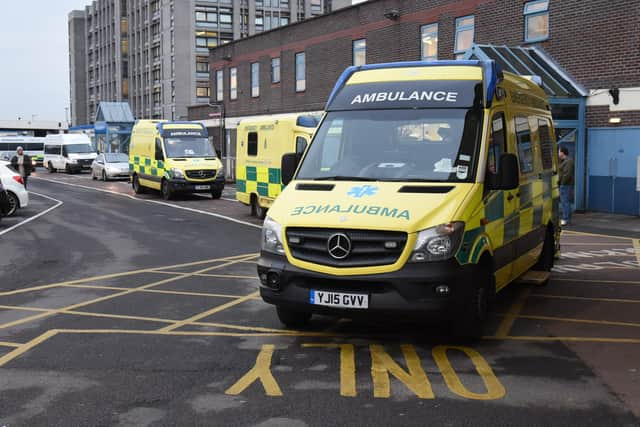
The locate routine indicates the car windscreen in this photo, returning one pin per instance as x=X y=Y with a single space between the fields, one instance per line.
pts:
x=78 y=148
x=116 y=158
x=187 y=146
x=395 y=145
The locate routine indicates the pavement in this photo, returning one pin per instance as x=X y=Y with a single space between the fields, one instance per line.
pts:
x=125 y=310
x=605 y=223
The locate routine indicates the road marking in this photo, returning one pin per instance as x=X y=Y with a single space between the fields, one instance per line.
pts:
x=184 y=208
x=210 y=312
x=495 y=389
x=617 y=300
x=580 y=233
x=589 y=244
x=260 y=371
x=572 y=320
x=636 y=246
x=568 y=339
x=582 y=281
x=26 y=347
x=38 y=215
x=512 y=314
x=10 y=344
x=382 y=364
x=347 y=366
x=224 y=276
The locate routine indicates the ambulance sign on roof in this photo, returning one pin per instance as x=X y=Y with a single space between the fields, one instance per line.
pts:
x=407 y=94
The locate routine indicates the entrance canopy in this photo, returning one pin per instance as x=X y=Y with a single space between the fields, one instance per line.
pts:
x=531 y=61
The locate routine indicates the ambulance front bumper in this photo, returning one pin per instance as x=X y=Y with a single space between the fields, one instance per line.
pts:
x=416 y=290
x=181 y=185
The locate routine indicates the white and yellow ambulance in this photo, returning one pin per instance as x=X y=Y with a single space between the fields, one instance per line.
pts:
x=174 y=157
x=261 y=143
x=427 y=188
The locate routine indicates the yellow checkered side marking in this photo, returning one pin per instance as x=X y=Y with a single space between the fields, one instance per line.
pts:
x=147 y=166
x=264 y=181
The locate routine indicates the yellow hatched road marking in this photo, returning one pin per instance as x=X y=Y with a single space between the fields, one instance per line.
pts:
x=572 y=320
x=26 y=347
x=570 y=297
x=260 y=371
x=580 y=281
x=581 y=233
x=568 y=339
x=591 y=244
x=221 y=276
x=347 y=366
x=512 y=315
x=9 y=344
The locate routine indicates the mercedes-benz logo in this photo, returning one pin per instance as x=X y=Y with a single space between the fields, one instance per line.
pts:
x=201 y=173
x=339 y=246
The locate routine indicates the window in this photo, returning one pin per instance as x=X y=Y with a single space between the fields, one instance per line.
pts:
x=233 y=83
x=301 y=145
x=202 y=91
x=206 y=16
x=219 y=86
x=546 y=143
x=536 y=21
x=275 y=70
x=202 y=66
x=301 y=83
x=497 y=144
x=255 y=79
x=429 y=42
x=360 y=52
x=252 y=144
x=464 y=35
x=525 y=149
x=206 y=39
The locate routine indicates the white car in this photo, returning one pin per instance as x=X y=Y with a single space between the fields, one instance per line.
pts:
x=14 y=185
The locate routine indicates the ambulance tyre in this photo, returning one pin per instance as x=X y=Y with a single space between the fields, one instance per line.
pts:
x=135 y=183
x=256 y=209
x=216 y=193
x=469 y=323
x=291 y=318
x=547 y=256
x=167 y=194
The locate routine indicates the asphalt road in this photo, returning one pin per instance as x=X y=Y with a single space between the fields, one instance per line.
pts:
x=117 y=310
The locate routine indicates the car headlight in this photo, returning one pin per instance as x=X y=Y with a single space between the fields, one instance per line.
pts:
x=221 y=171
x=176 y=173
x=73 y=161
x=272 y=237
x=438 y=243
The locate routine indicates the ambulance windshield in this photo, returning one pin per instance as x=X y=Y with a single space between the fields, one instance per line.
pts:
x=188 y=146
x=430 y=145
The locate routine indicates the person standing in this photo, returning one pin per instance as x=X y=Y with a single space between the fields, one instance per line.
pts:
x=22 y=164
x=566 y=181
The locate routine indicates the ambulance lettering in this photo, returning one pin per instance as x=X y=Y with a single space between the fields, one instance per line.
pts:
x=439 y=96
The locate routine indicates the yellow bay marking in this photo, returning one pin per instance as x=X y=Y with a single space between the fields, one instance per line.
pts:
x=210 y=312
x=580 y=233
x=347 y=366
x=222 y=276
x=495 y=390
x=158 y=291
x=612 y=244
x=119 y=294
x=581 y=281
x=512 y=315
x=26 y=347
x=569 y=297
x=9 y=344
x=382 y=364
x=572 y=320
x=261 y=371
x=568 y=339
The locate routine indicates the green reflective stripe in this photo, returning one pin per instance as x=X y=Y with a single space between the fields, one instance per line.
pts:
x=147 y=162
x=241 y=185
x=136 y=160
x=154 y=171
x=512 y=228
x=252 y=173
x=482 y=243
x=526 y=197
x=468 y=239
x=141 y=169
x=263 y=189
x=274 y=176
x=494 y=209
x=160 y=164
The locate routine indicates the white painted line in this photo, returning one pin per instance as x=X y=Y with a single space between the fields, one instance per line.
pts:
x=13 y=227
x=228 y=218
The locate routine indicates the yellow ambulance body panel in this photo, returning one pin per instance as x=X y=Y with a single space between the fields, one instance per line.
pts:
x=174 y=157
x=427 y=188
x=259 y=149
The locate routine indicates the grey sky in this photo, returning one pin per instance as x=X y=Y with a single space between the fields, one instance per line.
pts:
x=34 y=58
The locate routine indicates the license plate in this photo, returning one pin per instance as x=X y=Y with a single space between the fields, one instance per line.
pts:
x=203 y=187
x=339 y=299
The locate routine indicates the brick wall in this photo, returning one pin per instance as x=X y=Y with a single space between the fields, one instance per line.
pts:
x=599 y=117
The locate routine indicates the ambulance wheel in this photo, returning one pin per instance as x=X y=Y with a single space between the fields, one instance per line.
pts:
x=469 y=323
x=256 y=209
x=167 y=194
x=293 y=319
x=135 y=183
x=216 y=193
x=547 y=256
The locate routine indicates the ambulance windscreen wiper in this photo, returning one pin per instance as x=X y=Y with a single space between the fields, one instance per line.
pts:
x=343 y=178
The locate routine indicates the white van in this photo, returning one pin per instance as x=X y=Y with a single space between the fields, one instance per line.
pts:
x=68 y=152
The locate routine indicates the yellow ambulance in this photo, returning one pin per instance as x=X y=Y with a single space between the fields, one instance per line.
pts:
x=259 y=150
x=427 y=188
x=174 y=157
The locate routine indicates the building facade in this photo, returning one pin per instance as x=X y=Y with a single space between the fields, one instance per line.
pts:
x=294 y=69
x=154 y=53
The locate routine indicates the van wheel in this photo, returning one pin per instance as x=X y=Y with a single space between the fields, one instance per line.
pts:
x=293 y=319
x=216 y=193
x=469 y=322
x=50 y=168
x=256 y=209
x=14 y=203
x=167 y=194
x=135 y=183
x=547 y=256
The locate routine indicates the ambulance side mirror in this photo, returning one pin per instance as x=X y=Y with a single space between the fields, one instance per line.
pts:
x=288 y=167
x=509 y=173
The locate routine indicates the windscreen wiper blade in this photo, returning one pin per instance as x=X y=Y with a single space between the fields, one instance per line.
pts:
x=343 y=178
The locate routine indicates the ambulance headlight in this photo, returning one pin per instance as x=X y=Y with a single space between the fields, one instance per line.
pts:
x=272 y=237
x=438 y=243
x=176 y=173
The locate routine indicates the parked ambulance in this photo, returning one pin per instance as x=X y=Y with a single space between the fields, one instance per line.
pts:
x=174 y=157
x=259 y=150
x=427 y=188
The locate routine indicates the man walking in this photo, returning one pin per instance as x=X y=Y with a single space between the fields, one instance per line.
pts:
x=21 y=163
x=566 y=181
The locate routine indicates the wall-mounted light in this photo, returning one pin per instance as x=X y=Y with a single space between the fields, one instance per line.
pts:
x=392 y=14
x=615 y=120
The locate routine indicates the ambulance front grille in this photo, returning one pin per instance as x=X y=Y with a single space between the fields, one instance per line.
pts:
x=201 y=173
x=367 y=247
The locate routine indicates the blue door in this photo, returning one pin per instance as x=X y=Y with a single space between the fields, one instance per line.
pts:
x=613 y=169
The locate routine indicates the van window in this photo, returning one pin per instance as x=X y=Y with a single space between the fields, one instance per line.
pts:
x=546 y=143
x=252 y=144
x=158 y=152
x=301 y=145
x=523 y=139
x=497 y=143
x=52 y=149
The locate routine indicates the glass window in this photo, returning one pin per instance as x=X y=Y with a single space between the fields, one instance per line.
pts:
x=497 y=143
x=219 y=86
x=275 y=70
x=525 y=150
x=536 y=20
x=252 y=144
x=255 y=79
x=233 y=83
x=202 y=92
x=301 y=145
x=464 y=35
x=301 y=82
x=360 y=52
x=546 y=143
x=429 y=42
x=202 y=66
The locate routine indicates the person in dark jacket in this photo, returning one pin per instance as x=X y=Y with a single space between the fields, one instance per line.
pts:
x=22 y=164
x=566 y=182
